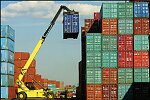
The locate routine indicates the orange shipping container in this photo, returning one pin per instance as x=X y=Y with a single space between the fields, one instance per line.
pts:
x=88 y=24
x=11 y=92
x=28 y=78
x=57 y=84
x=21 y=55
x=94 y=92
x=51 y=81
x=109 y=26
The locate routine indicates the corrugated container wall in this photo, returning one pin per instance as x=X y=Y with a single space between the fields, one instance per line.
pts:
x=7 y=39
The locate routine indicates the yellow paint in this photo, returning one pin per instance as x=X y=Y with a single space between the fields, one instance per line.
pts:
x=30 y=93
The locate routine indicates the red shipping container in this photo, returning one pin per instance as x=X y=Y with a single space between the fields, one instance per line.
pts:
x=21 y=55
x=51 y=81
x=38 y=78
x=125 y=43
x=141 y=26
x=110 y=92
x=109 y=75
x=11 y=93
x=109 y=26
x=141 y=59
x=96 y=15
x=57 y=84
x=31 y=70
x=27 y=78
x=17 y=63
x=33 y=64
x=125 y=59
x=88 y=24
x=94 y=92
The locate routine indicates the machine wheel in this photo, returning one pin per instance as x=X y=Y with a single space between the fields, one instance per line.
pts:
x=22 y=96
x=50 y=95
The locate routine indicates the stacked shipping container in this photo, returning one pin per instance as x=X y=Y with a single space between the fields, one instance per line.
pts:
x=141 y=50
x=7 y=62
x=125 y=49
x=120 y=61
x=109 y=51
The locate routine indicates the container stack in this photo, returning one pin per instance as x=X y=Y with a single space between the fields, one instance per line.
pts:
x=7 y=62
x=141 y=50
x=20 y=59
x=125 y=50
x=109 y=51
x=116 y=60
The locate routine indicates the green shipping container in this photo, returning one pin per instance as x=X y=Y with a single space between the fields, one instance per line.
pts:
x=125 y=26
x=93 y=76
x=141 y=74
x=109 y=10
x=125 y=75
x=93 y=59
x=123 y=89
x=125 y=10
x=109 y=43
x=141 y=42
x=109 y=59
x=93 y=38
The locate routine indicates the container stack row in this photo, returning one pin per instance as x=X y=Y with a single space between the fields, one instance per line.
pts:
x=7 y=61
x=20 y=59
x=115 y=52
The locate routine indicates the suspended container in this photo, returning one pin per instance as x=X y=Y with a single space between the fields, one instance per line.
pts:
x=70 y=25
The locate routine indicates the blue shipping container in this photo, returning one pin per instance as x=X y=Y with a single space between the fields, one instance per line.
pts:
x=7 y=43
x=7 y=56
x=7 y=80
x=7 y=68
x=71 y=23
x=141 y=9
x=7 y=31
x=4 y=92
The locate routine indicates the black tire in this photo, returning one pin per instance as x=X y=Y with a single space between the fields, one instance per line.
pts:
x=22 y=96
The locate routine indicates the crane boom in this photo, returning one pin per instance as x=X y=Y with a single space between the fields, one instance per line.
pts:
x=36 y=49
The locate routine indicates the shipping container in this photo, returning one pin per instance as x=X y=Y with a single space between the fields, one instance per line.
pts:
x=7 y=68
x=7 y=56
x=7 y=44
x=23 y=62
x=125 y=59
x=125 y=75
x=4 y=92
x=7 y=32
x=109 y=59
x=141 y=59
x=125 y=43
x=109 y=10
x=21 y=55
x=141 y=9
x=110 y=92
x=57 y=84
x=70 y=24
x=141 y=26
x=109 y=26
x=141 y=74
x=125 y=10
x=7 y=80
x=109 y=43
x=93 y=59
x=141 y=91
x=28 y=77
x=93 y=76
x=94 y=92
x=93 y=38
x=109 y=76
x=97 y=16
x=11 y=93
x=125 y=92
x=125 y=26
x=141 y=42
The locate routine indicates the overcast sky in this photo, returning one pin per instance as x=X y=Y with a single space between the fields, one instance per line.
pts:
x=57 y=59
